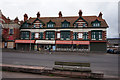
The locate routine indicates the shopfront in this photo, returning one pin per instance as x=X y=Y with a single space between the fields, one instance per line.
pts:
x=72 y=45
x=81 y=45
x=45 y=45
x=25 y=44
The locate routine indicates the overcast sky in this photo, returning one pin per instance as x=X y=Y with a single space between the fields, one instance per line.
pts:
x=50 y=8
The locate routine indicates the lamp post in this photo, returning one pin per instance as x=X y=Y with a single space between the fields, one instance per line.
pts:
x=30 y=39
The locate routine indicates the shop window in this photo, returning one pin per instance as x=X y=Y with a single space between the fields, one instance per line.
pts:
x=50 y=35
x=25 y=35
x=65 y=35
x=75 y=35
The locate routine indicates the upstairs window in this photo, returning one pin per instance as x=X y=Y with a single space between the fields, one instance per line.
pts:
x=65 y=24
x=40 y=25
x=37 y=25
x=96 y=23
x=96 y=35
x=85 y=35
x=25 y=35
x=25 y=25
x=50 y=24
x=37 y=35
x=84 y=25
x=75 y=36
x=11 y=32
x=41 y=35
x=34 y=25
x=65 y=35
x=50 y=35
x=32 y=35
x=76 y=25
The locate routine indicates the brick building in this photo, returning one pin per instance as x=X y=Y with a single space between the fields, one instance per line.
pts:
x=10 y=31
x=72 y=33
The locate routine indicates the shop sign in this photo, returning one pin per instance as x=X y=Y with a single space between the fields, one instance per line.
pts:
x=63 y=42
x=24 y=41
x=45 y=42
x=81 y=42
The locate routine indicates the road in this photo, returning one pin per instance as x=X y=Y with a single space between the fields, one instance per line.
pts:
x=106 y=63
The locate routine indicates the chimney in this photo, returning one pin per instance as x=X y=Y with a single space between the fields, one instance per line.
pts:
x=80 y=12
x=25 y=17
x=60 y=14
x=8 y=20
x=16 y=20
x=38 y=14
x=100 y=15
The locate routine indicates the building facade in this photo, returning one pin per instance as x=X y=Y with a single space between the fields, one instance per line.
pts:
x=73 y=33
x=10 y=31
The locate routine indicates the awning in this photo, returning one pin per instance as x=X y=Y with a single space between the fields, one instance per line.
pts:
x=24 y=41
x=45 y=41
x=81 y=42
x=63 y=42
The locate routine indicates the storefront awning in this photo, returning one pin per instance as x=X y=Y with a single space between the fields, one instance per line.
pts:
x=24 y=41
x=63 y=42
x=81 y=42
x=45 y=42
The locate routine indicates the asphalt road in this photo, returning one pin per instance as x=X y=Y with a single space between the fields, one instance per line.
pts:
x=106 y=63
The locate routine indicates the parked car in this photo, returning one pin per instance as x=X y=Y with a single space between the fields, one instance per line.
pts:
x=116 y=52
x=110 y=51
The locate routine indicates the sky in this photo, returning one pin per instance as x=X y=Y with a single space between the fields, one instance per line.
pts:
x=50 y=8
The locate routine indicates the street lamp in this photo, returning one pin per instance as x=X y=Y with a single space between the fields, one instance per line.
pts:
x=30 y=39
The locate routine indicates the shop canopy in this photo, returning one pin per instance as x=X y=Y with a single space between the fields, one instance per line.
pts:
x=63 y=42
x=45 y=42
x=81 y=42
x=73 y=42
x=24 y=41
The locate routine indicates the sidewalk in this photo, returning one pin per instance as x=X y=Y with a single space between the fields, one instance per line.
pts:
x=53 y=52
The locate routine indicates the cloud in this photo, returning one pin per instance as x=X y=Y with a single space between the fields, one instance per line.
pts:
x=109 y=8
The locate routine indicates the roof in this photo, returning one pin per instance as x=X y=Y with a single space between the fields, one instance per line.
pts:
x=70 y=19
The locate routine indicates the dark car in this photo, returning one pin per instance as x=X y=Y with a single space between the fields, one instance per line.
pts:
x=110 y=51
x=117 y=52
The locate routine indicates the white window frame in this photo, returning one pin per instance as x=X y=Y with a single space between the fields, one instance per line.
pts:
x=36 y=35
x=80 y=35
